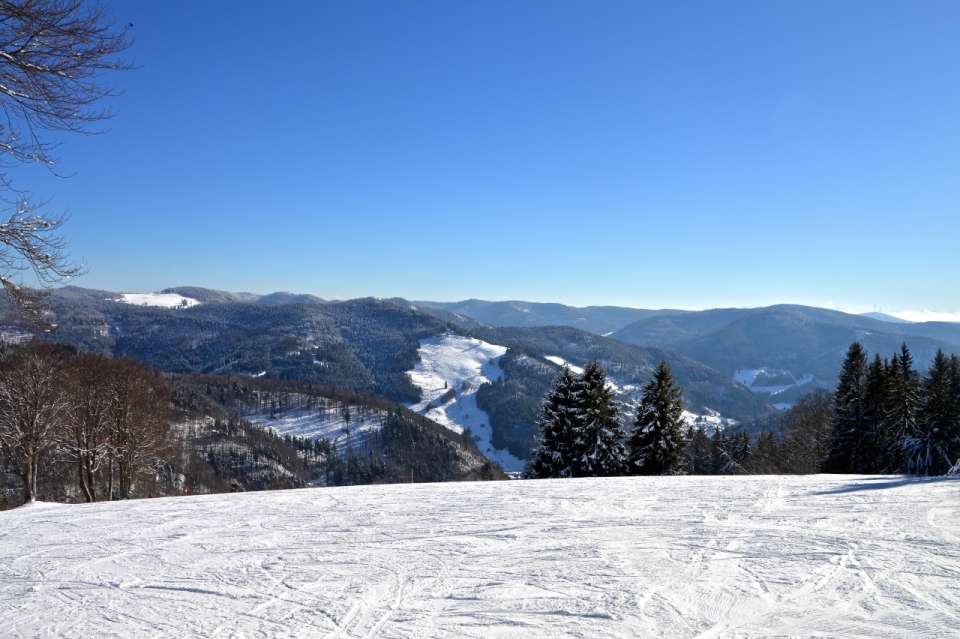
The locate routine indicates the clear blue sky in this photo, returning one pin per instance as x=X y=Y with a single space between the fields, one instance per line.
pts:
x=686 y=155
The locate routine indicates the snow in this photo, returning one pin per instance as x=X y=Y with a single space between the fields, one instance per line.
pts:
x=462 y=364
x=559 y=361
x=710 y=421
x=168 y=300
x=708 y=557
x=748 y=377
x=307 y=419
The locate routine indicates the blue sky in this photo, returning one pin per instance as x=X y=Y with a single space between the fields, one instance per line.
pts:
x=688 y=155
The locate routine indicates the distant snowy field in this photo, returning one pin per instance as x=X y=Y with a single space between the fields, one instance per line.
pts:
x=723 y=557
x=461 y=364
x=169 y=300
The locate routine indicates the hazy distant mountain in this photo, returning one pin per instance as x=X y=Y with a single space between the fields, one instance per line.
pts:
x=794 y=348
x=883 y=317
x=596 y=319
x=210 y=296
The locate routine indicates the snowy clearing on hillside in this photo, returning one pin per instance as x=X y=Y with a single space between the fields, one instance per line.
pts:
x=717 y=557
x=559 y=361
x=304 y=416
x=461 y=365
x=168 y=300
x=709 y=422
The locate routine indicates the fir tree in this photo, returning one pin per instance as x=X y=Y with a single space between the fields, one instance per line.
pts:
x=597 y=450
x=901 y=415
x=697 y=452
x=933 y=447
x=848 y=424
x=560 y=418
x=867 y=456
x=656 y=443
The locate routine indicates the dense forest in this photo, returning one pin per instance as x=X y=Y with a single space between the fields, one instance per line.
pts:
x=87 y=427
x=883 y=417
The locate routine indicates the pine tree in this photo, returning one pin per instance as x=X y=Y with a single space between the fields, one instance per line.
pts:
x=597 y=450
x=697 y=452
x=867 y=455
x=933 y=446
x=559 y=419
x=901 y=415
x=656 y=443
x=848 y=424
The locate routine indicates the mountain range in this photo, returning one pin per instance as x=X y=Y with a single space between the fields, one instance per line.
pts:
x=738 y=363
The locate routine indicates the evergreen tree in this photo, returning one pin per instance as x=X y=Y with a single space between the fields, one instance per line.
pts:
x=697 y=452
x=597 y=450
x=656 y=444
x=559 y=419
x=933 y=446
x=901 y=415
x=848 y=425
x=867 y=456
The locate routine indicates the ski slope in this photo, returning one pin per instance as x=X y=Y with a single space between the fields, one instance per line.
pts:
x=706 y=557
x=462 y=364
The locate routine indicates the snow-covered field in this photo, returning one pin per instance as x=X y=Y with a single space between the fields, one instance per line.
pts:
x=306 y=419
x=169 y=300
x=461 y=364
x=824 y=556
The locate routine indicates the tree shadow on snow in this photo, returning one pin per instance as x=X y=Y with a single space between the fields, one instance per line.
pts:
x=882 y=483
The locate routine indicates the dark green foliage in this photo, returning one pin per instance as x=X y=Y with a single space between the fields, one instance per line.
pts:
x=513 y=402
x=656 y=443
x=933 y=447
x=698 y=452
x=849 y=427
x=366 y=345
x=559 y=419
x=595 y=449
x=901 y=418
x=580 y=429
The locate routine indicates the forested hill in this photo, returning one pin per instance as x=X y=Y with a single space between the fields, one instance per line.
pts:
x=704 y=388
x=364 y=345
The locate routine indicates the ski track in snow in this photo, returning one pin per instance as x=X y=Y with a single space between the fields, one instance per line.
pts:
x=446 y=362
x=706 y=557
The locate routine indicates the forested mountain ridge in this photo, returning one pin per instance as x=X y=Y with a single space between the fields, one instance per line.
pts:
x=801 y=340
x=363 y=345
x=595 y=319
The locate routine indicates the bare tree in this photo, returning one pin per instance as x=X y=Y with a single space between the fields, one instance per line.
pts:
x=139 y=419
x=54 y=55
x=85 y=437
x=33 y=405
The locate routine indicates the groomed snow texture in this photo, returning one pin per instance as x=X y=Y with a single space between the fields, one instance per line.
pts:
x=828 y=556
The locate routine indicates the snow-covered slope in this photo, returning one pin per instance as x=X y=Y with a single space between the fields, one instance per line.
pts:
x=720 y=557
x=460 y=364
x=306 y=416
x=169 y=300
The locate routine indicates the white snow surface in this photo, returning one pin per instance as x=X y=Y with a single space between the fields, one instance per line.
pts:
x=707 y=557
x=168 y=300
x=462 y=364
x=559 y=361
x=306 y=419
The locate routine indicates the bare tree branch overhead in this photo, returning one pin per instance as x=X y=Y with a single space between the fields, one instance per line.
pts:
x=54 y=56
